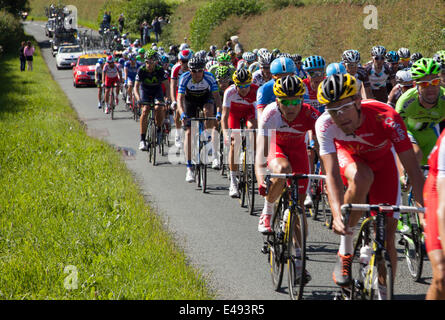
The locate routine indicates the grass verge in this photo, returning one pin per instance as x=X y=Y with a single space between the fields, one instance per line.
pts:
x=73 y=224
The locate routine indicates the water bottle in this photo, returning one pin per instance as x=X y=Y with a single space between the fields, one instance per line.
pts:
x=285 y=217
x=365 y=255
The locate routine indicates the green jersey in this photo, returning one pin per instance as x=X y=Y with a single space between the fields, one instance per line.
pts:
x=422 y=124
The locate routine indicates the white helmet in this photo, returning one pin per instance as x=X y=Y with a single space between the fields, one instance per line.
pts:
x=404 y=75
x=183 y=46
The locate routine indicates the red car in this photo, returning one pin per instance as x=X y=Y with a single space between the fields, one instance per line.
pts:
x=84 y=69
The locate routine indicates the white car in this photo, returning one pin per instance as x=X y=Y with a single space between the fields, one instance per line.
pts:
x=66 y=55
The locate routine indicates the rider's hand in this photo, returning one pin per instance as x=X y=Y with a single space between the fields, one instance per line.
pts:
x=262 y=189
x=339 y=227
x=218 y=116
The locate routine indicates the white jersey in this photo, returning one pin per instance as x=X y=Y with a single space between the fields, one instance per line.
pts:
x=257 y=78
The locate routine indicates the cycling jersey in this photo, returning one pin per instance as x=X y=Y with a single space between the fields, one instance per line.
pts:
x=422 y=123
x=378 y=80
x=131 y=70
x=436 y=162
x=110 y=72
x=98 y=72
x=151 y=83
x=177 y=71
x=374 y=143
x=394 y=95
x=257 y=78
x=240 y=107
x=362 y=78
x=265 y=94
x=200 y=92
x=310 y=96
x=300 y=73
x=287 y=139
x=255 y=66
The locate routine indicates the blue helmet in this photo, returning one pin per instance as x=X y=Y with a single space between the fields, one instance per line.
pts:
x=282 y=65
x=335 y=68
x=314 y=62
x=392 y=57
x=121 y=61
x=100 y=61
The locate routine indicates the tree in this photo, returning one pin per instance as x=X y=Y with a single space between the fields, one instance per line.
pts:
x=14 y=6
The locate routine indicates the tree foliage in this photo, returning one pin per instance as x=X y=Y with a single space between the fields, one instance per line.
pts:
x=14 y=6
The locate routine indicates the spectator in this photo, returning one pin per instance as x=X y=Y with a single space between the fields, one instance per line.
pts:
x=121 y=21
x=22 y=56
x=238 y=48
x=147 y=31
x=156 y=28
x=28 y=51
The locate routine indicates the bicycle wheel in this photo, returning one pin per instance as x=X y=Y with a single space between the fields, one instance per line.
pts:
x=412 y=249
x=277 y=244
x=242 y=185
x=316 y=195
x=378 y=283
x=250 y=188
x=296 y=264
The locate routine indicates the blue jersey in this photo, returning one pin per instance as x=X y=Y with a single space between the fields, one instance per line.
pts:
x=265 y=94
x=131 y=70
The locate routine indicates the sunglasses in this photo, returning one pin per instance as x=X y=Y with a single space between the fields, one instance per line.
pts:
x=316 y=73
x=287 y=103
x=405 y=59
x=407 y=85
x=339 y=110
x=379 y=58
x=352 y=65
x=424 y=84
x=242 y=86
x=196 y=70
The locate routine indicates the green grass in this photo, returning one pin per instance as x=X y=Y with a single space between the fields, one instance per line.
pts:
x=68 y=200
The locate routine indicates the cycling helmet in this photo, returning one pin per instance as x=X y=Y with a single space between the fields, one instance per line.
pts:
x=242 y=76
x=141 y=51
x=100 y=61
x=392 y=57
x=262 y=51
x=351 y=56
x=424 y=67
x=242 y=64
x=222 y=72
x=110 y=59
x=212 y=48
x=282 y=65
x=439 y=57
x=337 y=87
x=210 y=63
x=184 y=55
x=378 y=51
x=196 y=63
x=289 y=86
x=403 y=76
x=121 y=61
x=314 y=62
x=150 y=54
x=201 y=54
x=416 y=56
x=404 y=53
x=265 y=59
x=296 y=57
x=132 y=57
x=164 y=59
x=249 y=56
x=183 y=46
x=335 y=68
x=224 y=57
x=276 y=52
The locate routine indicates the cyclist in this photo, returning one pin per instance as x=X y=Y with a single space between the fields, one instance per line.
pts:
x=212 y=51
x=281 y=144
x=197 y=90
x=279 y=68
x=263 y=75
x=299 y=71
x=224 y=79
x=130 y=71
x=405 y=61
x=110 y=78
x=423 y=108
x=178 y=69
x=223 y=59
x=404 y=82
x=357 y=141
x=434 y=194
x=351 y=60
x=148 y=90
x=415 y=56
x=98 y=80
x=392 y=58
x=379 y=72
x=238 y=103
x=439 y=57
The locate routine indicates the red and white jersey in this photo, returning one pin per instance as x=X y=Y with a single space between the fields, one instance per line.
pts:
x=111 y=72
x=291 y=134
x=310 y=96
x=177 y=71
x=235 y=102
x=382 y=128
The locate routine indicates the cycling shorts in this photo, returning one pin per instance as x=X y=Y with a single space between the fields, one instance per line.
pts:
x=153 y=95
x=426 y=140
x=386 y=185
x=192 y=109
x=235 y=116
x=298 y=159
x=111 y=82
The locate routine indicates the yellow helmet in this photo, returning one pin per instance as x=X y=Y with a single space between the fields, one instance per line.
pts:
x=242 y=76
x=337 y=87
x=288 y=86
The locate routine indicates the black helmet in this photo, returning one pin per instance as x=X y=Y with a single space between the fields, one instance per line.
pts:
x=416 y=56
x=196 y=63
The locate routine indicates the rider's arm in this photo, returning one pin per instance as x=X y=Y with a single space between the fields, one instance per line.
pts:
x=181 y=102
x=168 y=93
x=409 y=162
x=173 y=84
x=261 y=153
x=217 y=99
x=136 y=90
x=441 y=210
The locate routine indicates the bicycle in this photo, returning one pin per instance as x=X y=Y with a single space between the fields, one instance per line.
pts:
x=373 y=280
x=320 y=197
x=201 y=166
x=112 y=103
x=151 y=135
x=411 y=238
x=289 y=232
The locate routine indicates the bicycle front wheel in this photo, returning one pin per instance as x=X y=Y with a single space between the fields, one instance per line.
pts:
x=412 y=249
x=250 y=188
x=378 y=282
x=278 y=246
x=296 y=260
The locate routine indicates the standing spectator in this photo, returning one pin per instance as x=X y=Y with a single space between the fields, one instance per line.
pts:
x=28 y=51
x=156 y=28
x=238 y=47
x=147 y=31
x=121 y=22
x=22 y=56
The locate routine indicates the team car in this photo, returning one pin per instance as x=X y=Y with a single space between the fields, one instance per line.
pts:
x=84 y=69
x=66 y=55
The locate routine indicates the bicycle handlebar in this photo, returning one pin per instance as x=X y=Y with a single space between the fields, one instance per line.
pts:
x=203 y=119
x=379 y=207
x=295 y=176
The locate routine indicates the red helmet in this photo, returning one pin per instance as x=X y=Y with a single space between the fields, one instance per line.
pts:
x=110 y=59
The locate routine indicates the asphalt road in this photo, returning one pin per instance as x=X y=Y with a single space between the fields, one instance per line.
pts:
x=218 y=236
